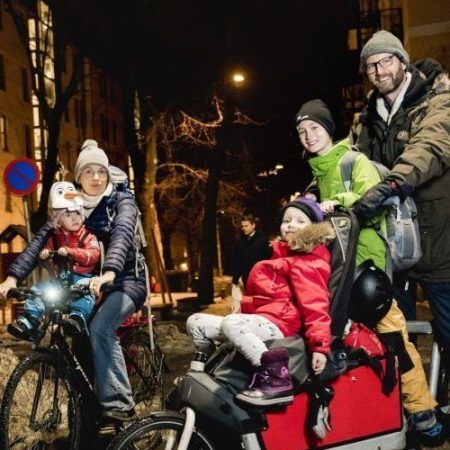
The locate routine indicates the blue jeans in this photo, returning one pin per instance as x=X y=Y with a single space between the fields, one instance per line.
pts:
x=438 y=295
x=112 y=383
x=405 y=294
x=35 y=309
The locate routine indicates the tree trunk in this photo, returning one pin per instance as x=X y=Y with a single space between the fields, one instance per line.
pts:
x=208 y=241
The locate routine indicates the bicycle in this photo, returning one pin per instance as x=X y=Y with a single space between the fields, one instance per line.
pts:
x=49 y=400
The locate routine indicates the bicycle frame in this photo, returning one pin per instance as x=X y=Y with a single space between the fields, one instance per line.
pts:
x=67 y=367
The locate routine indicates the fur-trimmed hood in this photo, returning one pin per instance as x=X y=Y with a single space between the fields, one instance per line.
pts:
x=306 y=239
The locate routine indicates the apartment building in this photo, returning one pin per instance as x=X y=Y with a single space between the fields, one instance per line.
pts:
x=93 y=112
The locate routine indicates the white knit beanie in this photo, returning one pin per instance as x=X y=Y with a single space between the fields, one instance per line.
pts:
x=383 y=42
x=90 y=154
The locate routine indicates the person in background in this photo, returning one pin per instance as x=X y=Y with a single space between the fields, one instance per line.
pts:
x=285 y=295
x=252 y=246
x=406 y=126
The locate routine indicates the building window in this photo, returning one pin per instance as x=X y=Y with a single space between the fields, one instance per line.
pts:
x=25 y=85
x=3 y=134
x=27 y=140
x=104 y=128
x=102 y=85
x=2 y=74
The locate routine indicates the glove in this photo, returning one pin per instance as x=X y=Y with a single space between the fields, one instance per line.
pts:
x=370 y=204
x=236 y=297
x=322 y=425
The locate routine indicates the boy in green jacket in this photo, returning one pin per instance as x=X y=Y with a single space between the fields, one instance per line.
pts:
x=315 y=127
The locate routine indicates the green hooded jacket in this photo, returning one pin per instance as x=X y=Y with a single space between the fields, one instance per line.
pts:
x=327 y=170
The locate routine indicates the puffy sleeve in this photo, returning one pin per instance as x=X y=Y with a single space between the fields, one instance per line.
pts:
x=24 y=264
x=88 y=255
x=427 y=154
x=122 y=232
x=309 y=279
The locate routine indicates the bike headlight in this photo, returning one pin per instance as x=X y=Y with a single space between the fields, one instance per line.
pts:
x=52 y=294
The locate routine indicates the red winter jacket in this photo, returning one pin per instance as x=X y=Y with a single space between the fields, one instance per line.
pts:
x=291 y=289
x=85 y=254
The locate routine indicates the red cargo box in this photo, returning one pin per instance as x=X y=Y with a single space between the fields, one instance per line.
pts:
x=358 y=411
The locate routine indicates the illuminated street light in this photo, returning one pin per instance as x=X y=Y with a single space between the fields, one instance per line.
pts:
x=238 y=79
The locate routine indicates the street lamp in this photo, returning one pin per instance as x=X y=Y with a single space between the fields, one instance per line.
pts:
x=238 y=79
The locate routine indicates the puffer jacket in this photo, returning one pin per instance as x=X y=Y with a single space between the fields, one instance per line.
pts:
x=291 y=289
x=118 y=238
x=82 y=246
x=415 y=145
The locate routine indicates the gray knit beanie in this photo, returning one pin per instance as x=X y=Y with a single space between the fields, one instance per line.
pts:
x=383 y=42
x=90 y=154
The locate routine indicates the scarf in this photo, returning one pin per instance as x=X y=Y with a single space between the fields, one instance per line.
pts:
x=382 y=110
x=91 y=201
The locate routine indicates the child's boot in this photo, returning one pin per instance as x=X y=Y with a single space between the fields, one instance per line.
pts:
x=428 y=430
x=271 y=383
x=24 y=328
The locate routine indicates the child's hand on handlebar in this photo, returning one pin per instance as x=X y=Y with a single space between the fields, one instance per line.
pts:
x=45 y=254
x=8 y=284
x=97 y=282
x=318 y=362
x=63 y=251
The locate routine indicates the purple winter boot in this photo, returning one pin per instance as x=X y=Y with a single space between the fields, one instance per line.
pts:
x=271 y=383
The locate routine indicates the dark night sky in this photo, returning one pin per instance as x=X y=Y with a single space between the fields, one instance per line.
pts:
x=292 y=51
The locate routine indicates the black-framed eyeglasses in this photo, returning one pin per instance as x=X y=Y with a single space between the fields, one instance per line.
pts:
x=384 y=63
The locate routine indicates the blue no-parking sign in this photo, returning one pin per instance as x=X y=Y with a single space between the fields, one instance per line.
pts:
x=21 y=176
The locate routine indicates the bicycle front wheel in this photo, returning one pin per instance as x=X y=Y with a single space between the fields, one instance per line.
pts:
x=146 y=371
x=39 y=409
x=158 y=434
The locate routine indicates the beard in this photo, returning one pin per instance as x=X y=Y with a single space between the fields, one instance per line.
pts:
x=393 y=84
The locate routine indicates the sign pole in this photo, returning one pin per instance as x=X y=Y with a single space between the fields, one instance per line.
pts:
x=28 y=227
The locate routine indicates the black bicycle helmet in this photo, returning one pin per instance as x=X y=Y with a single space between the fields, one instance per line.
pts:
x=371 y=295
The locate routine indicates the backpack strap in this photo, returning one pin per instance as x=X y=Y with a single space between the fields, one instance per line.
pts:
x=347 y=163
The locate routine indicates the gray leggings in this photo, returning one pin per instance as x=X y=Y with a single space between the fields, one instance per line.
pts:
x=246 y=331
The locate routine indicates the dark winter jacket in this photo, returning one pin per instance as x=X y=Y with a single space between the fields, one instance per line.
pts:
x=248 y=251
x=291 y=289
x=416 y=147
x=118 y=238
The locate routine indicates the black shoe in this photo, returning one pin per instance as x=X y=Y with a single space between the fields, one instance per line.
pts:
x=19 y=331
x=117 y=415
x=72 y=325
x=428 y=430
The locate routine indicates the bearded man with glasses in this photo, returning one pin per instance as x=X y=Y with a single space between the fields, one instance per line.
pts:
x=406 y=126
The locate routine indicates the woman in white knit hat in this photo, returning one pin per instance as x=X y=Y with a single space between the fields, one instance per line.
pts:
x=111 y=216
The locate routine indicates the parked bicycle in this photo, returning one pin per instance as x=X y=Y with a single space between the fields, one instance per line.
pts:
x=49 y=401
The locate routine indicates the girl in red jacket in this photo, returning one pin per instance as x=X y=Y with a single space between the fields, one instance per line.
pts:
x=68 y=238
x=285 y=295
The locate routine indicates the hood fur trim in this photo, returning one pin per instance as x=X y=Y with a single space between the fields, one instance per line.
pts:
x=307 y=238
x=441 y=83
